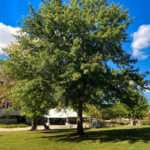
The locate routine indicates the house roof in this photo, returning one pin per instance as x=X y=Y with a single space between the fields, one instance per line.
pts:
x=61 y=113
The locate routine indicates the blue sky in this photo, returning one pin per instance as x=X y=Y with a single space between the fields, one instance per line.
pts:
x=139 y=12
x=13 y=11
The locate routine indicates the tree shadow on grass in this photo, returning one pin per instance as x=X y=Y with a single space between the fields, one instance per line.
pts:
x=58 y=131
x=112 y=135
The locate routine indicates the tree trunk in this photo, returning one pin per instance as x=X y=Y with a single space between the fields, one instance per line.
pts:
x=80 y=130
x=134 y=122
x=46 y=127
x=34 y=124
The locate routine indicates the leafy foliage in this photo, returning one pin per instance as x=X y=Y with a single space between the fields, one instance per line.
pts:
x=117 y=110
x=94 y=111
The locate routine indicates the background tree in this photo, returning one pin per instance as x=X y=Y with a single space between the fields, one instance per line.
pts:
x=6 y=84
x=32 y=91
x=131 y=93
x=94 y=111
x=138 y=107
x=116 y=111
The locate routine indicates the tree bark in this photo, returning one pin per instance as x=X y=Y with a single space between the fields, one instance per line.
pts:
x=134 y=122
x=80 y=130
x=46 y=127
x=34 y=124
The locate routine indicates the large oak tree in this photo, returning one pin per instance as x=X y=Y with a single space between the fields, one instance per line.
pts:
x=68 y=50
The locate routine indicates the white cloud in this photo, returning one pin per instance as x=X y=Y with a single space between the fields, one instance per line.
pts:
x=147 y=91
x=141 y=40
x=7 y=36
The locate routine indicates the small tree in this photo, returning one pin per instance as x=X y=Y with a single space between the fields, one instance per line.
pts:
x=138 y=107
x=94 y=111
x=131 y=94
x=33 y=99
x=117 y=110
x=6 y=84
x=32 y=91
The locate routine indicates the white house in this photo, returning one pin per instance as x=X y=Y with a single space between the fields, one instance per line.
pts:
x=62 y=117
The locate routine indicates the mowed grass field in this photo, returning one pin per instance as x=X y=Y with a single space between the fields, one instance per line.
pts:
x=103 y=139
x=13 y=125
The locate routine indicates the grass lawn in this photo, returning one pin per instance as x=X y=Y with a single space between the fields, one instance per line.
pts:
x=13 y=125
x=103 y=139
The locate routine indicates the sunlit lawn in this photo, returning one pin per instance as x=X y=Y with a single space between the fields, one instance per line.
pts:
x=104 y=139
x=13 y=125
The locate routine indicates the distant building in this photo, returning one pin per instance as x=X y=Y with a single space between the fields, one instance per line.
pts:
x=8 y=115
x=66 y=117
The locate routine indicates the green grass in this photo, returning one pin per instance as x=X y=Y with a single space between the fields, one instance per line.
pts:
x=104 y=139
x=13 y=125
